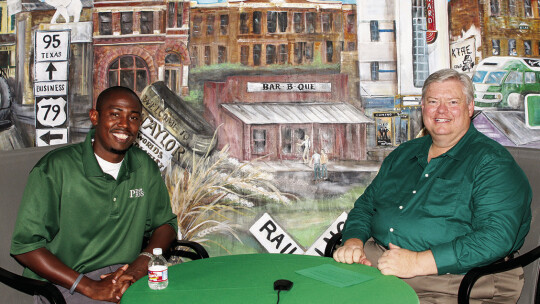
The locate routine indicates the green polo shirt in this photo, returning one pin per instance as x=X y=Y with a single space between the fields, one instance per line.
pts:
x=470 y=205
x=85 y=217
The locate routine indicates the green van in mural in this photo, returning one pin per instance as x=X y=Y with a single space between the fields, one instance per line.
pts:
x=504 y=82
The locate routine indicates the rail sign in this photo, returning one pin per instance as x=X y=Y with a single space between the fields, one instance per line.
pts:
x=272 y=237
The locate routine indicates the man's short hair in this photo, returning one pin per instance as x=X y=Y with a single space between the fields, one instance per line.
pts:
x=106 y=94
x=450 y=74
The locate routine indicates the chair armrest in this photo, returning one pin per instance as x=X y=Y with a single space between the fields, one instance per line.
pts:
x=31 y=286
x=197 y=250
x=474 y=274
x=333 y=242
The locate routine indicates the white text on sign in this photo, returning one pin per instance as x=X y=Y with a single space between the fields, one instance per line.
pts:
x=272 y=237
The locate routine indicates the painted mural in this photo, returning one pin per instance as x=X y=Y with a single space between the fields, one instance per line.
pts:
x=268 y=118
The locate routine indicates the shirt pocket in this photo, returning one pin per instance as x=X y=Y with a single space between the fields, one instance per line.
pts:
x=443 y=197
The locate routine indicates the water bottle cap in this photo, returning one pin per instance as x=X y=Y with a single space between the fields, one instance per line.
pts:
x=157 y=251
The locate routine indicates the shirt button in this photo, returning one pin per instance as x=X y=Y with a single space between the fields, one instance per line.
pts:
x=114 y=199
x=400 y=207
x=427 y=175
x=414 y=192
x=391 y=229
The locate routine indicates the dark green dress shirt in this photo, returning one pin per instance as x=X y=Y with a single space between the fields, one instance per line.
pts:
x=470 y=205
x=85 y=217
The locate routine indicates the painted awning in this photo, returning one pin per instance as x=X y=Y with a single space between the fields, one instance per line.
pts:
x=297 y=113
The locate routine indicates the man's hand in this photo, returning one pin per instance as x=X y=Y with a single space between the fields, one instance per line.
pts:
x=110 y=288
x=352 y=252
x=405 y=263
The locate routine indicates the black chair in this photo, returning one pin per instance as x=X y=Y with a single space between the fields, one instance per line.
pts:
x=29 y=286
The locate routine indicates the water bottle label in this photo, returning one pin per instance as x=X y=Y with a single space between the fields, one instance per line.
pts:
x=157 y=276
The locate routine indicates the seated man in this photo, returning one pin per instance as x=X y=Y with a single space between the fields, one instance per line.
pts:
x=87 y=206
x=443 y=204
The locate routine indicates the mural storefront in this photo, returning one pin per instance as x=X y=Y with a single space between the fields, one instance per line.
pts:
x=271 y=116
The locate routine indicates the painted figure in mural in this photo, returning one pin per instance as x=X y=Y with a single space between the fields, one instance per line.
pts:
x=316 y=163
x=87 y=207
x=306 y=143
x=66 y=9
x=324 y=162
x=443 y=203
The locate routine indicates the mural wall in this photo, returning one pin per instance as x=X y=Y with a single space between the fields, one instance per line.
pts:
x=267 y=118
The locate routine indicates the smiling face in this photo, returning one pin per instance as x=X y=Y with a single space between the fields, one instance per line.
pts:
x=117 y=121
x=446 y=112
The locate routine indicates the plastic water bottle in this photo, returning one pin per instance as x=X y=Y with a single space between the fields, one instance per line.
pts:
x=158 y=276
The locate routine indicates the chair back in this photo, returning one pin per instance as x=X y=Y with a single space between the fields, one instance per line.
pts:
x=16 y=165
x=527 y=159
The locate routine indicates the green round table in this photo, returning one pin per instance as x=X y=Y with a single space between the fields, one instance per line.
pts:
x=249 y=278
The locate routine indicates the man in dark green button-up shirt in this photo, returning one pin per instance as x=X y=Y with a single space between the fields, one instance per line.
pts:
x=87 y=206
x=443 y=203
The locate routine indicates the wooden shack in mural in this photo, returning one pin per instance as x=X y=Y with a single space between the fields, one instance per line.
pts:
x=275 y=115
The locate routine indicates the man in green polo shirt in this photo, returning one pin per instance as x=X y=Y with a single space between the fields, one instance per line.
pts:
x=443 y=204
x=87 y=207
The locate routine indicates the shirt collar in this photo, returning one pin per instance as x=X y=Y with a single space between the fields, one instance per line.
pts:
x=90 y=163
x=457 y=152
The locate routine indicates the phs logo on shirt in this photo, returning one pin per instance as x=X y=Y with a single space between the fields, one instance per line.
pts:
x=136 y=193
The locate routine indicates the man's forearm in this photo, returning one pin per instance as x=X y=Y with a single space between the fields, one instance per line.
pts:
x=162 y=237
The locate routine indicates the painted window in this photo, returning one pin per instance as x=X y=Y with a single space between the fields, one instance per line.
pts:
x=105 y=23
x=351 y=46
x=175 y=14
x=207 y=55
x=512 y=51
x=351 y=23
x=180 y=14
x=374 y=70
x=528 y=8
x=311 y=22
x=374 y=30
x=244 y=54
x=282 y=22
x=326 y=22
x=173 y=72
x=420 y=49
x=257 y=16
x=271 y=22
x=329 y=51
x=271 y=55
x=326 y=137
x=512 y=11
x=299 y=22
x=496 y=47
x=223 y=24
x=514 y=77
x=210 y=25
x=291 y=139
x=283 y=54
x=259 y=141
x=244 y=29
x=196 y=28
x=530 y=77
x=129 y=71
x=494 y=7
x=222 y=54
x=147 y=22
x=257 y=48
x=527 y=46
x=194 y=56
x=126 y=25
